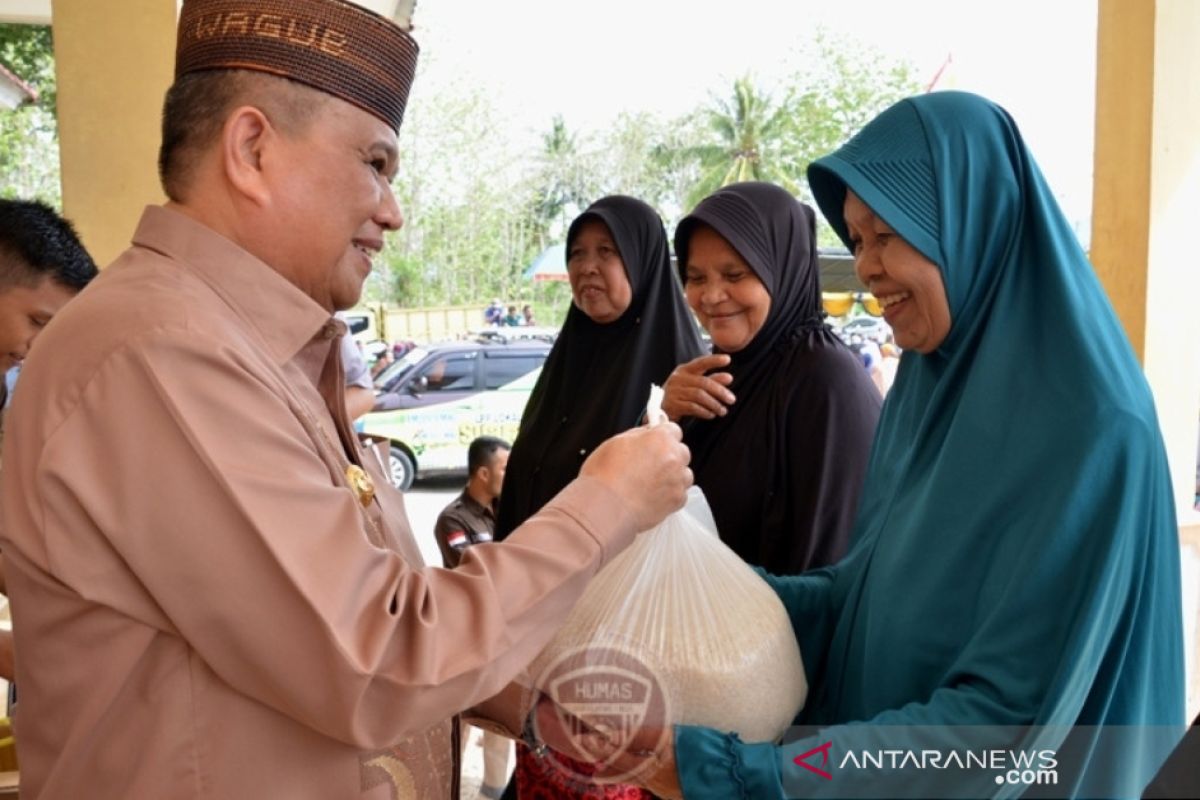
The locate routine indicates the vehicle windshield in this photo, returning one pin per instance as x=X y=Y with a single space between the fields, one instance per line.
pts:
x=394 y=371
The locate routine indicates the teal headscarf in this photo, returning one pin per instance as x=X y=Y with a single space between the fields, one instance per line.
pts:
x=1016 y=556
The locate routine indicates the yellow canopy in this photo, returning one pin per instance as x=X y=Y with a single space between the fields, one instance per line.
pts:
x=839 y=304
x=871 y=304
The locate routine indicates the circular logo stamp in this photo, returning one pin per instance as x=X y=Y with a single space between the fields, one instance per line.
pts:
x=611 y=714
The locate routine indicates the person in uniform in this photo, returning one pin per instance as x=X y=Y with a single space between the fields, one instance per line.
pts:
x=467 y=520
x=470 y=518
x=217 y=594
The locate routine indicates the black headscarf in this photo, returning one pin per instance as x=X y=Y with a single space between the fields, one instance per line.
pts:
x=783 y=468
x=596 y=381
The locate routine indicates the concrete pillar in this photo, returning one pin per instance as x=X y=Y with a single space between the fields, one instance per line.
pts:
x=1146 y=213
x=114 y=63
x=27 y=12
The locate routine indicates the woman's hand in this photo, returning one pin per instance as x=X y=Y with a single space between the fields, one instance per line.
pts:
x=647 y=760
x=659 y=773
x=689 y=392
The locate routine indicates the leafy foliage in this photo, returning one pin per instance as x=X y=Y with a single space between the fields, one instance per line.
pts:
x=479 y=206
x=747 y=141
x=29 y=135
x=842 y=87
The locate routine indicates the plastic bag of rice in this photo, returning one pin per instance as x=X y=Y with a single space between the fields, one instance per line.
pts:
x=677 y=629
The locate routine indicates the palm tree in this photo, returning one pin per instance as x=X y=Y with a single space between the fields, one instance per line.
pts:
x=748 y=135
x=561 y=191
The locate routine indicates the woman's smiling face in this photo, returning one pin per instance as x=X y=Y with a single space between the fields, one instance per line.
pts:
x=729 y=299
x=909 y=286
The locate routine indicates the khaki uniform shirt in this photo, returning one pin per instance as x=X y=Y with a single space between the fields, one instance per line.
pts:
x=462 y=523
x=203 y=607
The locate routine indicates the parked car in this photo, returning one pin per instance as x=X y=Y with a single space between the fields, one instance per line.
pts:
x=444 y=373
x=389 y=380
x=516 y=333
x=436 y=400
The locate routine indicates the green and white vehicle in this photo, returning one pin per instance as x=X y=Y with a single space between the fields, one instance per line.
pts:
x=434 y=402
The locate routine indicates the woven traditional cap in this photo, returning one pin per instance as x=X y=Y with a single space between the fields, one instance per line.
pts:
x=332 y=45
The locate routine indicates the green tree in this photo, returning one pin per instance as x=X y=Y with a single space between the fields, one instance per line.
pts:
x=747 y=141
x=841 y=87
x=563 y=185
x=462 y=188
x=479 y=205
x=752 y=136
x=676 y=167
x=644 y=155
x=29 y=166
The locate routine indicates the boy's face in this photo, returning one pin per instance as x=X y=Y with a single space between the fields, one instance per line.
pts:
x=24 y=311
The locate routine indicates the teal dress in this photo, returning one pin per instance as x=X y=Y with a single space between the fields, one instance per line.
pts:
x=1013 y=580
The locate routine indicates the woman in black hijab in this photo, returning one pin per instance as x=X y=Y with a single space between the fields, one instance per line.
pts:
x=628 y=327
x=782 y=464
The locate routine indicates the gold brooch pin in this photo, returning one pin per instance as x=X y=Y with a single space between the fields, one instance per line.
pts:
x=361 y=484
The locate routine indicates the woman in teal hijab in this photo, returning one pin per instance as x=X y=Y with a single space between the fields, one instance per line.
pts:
x=1013 y=581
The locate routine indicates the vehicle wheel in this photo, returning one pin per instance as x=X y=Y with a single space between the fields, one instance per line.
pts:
x=402 y=468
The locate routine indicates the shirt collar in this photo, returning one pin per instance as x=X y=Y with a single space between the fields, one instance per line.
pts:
x=474 y=505
x=283 y=316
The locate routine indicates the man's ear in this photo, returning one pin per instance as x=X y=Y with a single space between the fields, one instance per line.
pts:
x=246 y=134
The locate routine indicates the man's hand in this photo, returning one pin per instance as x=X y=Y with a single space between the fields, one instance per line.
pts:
x=647 y=468
x=689 y=392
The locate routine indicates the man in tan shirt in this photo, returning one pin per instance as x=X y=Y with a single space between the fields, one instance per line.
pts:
x=212 y=599
x=42 y=266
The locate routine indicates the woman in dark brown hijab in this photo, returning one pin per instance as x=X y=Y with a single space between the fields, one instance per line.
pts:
x=627 y=327
x=781 y=417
